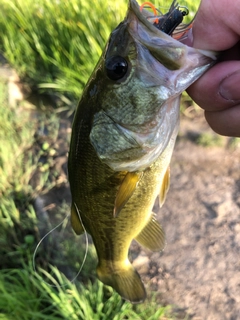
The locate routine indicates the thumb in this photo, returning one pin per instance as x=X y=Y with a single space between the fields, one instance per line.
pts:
x=216 y=26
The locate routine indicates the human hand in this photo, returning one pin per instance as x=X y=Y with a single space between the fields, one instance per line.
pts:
x=217 y=28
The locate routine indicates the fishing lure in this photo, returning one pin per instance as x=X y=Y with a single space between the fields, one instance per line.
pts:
x=168 y=22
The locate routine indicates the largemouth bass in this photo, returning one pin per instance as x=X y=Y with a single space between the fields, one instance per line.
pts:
x=123 y=136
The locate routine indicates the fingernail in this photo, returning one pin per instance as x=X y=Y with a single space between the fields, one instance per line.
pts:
x=230 y=87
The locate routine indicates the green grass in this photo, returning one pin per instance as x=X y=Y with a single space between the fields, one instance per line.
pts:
x=17 y=165
x=25 y=296
x=57 y=42
x=55 y=45
x=22 y=177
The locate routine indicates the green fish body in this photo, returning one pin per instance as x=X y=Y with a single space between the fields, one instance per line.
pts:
x=123 y=136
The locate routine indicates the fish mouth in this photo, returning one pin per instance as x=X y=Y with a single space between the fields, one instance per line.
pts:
x=154 y=39
x=164 y=61
x=170 y=51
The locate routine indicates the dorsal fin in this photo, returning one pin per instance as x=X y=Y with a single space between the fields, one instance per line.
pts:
x=126 y=189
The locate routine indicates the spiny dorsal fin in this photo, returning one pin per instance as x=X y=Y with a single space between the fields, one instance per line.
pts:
x=126 y=190
x=75 y=221
x=152 y=236
x=164 y=187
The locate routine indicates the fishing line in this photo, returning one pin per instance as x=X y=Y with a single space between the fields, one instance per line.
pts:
x=46 y=235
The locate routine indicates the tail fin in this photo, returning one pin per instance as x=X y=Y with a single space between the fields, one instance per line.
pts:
x=126 y=282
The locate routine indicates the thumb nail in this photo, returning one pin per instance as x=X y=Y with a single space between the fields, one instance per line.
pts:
x=230 y=87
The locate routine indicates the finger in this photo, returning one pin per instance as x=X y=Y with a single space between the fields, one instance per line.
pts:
x=225 y=122
x=216 y=26
x=219 y=88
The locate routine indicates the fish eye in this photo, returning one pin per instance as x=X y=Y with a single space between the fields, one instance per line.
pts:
x=116 y=67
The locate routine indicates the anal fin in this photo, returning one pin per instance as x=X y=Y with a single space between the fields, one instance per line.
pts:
x=126 y=189
x=152 y=236
x=164 y=187
x=75 y=220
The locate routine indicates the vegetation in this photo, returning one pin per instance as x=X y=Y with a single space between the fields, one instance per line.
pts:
x=25 y=296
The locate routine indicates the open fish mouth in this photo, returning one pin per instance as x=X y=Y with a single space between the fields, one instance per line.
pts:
x=162 y=34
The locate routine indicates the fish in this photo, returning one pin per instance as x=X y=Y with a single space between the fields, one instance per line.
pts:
x=123 y=135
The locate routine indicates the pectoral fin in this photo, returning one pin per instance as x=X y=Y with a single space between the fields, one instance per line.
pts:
x=75 y=221
x=152 y=236
x=164 y=187
x=126 y=190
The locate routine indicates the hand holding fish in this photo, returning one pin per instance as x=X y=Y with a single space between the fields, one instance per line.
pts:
x=216 y=27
